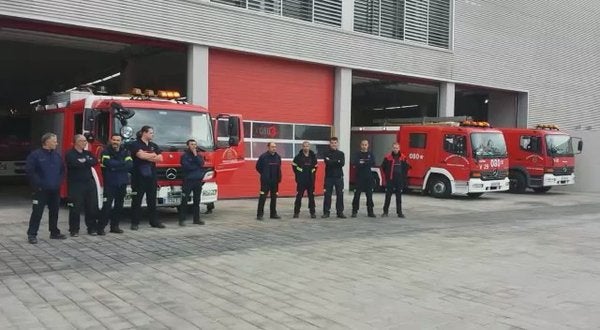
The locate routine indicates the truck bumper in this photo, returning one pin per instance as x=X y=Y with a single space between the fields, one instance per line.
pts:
x=480 y=186
x=171 y=196
x=558 y=180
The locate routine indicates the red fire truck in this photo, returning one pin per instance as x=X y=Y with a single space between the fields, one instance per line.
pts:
x=540 y=158
x=174 y=122
x=14 y=145
x=467 y=158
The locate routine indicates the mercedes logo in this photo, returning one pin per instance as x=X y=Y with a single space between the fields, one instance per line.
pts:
x=565 y=169
x=171 y=173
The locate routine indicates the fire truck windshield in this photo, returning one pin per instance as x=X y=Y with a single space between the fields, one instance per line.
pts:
x=488 y=145
x=559 y=145
x=173 y=128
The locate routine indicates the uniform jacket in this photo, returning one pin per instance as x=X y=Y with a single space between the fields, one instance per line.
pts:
x=363 y=161
x=334 y=162
x=143 y=168
x=269 y=167
x=192 y=166
x=116 y=165
x=79 y=166
x=305 y=167
x=45 y=169
x=395 y=168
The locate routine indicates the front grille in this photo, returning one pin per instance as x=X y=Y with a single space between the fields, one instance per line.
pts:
x=169 y=173
x=566 y=170
x=494 y=175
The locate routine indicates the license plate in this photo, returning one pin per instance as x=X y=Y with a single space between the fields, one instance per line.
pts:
x=174 y=200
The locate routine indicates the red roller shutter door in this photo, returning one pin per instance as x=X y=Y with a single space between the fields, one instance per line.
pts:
x=270 y=90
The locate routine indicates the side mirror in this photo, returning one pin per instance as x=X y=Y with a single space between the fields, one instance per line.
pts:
x=233 y=130
x=233 y=141
x=580 y=146
x=89 y=136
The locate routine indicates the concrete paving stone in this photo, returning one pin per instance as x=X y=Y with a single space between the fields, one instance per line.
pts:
x=452 y=263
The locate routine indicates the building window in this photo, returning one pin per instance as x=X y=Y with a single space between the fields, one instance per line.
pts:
x=287 y=136
x=421 y=21
x=328 y=12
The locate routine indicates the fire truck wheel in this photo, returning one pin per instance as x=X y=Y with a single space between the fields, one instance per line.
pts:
x=518 y=182
x=439 y=187
x=541 y=190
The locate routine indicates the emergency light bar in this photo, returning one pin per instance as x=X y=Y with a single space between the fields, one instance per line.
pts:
x=547 y=126
x=472 y=123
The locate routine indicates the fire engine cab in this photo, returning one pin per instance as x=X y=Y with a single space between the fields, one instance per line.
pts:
x=97 y=117
x=540 y=158
x=452 y=158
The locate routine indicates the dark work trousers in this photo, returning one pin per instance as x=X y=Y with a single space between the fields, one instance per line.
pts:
x=189 y=188
x=116 y=195
x=367 y=187
x=267 y=188
x=393 y=188
x=144 y=186
x=83 y=196
x=330 y=184
x=310 y=192
x=41 y=198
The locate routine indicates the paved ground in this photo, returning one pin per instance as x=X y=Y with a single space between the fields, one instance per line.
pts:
x=502 y=262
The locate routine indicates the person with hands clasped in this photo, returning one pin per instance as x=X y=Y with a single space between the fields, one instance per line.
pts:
x=268 y=166
x=305 y=166
x=116 y=163
x=395 y=169
x=82 y=191
x=193 y=172
x=334 y=179
x=362 y=161
x=45 y=170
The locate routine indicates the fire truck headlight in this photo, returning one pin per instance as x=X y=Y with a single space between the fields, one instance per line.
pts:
x=208 y=175
x=127 y=132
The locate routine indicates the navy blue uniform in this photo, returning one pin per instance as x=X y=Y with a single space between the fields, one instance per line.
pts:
x=334 y=179
x=83 y=194
x=45 y=171
x=116 y=165
x=193 y=172
x=395 y=170
x=143 y=182
x=305 y=167
x=362 y=162
x=269 y=168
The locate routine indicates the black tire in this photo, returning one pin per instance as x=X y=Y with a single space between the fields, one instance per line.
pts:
x=541 y=190
x=439 y=187
x=518 y=182
x=474 y=195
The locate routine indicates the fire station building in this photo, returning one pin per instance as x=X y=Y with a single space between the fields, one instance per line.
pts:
x=308 y=69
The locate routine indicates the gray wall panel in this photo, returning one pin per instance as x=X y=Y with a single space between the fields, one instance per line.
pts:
x=548 y=48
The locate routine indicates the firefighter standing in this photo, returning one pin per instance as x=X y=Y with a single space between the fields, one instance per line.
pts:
x=362 y=162
x=45 y=170
x=334 y=178
x=143 y=179
x=305 y=166
x=83 y=194
x=395 y=170
x=193 y=172
x=116 y=163
x=269 y=168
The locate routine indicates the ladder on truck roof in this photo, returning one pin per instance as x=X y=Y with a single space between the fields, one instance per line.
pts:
x=456 y=120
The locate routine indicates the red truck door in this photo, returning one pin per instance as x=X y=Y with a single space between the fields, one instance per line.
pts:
x=230 y=149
